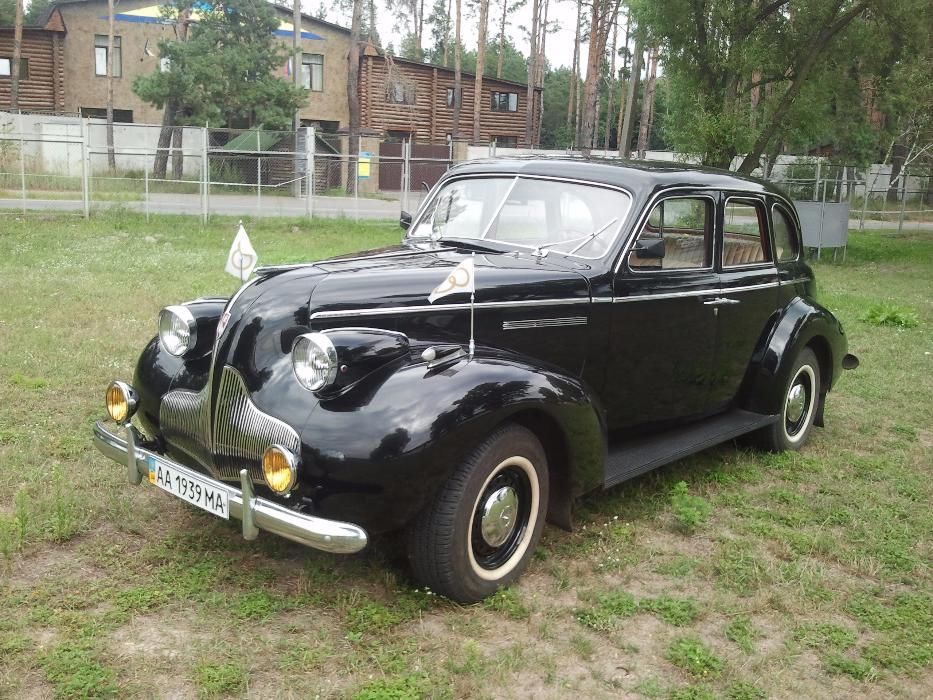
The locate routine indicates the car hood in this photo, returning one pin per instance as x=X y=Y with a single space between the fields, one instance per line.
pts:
x=405 y=276
x=387 y=288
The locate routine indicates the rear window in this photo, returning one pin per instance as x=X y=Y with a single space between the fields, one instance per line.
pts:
x=785 y=236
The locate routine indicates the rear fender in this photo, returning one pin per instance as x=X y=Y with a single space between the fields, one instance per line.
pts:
x=802 y=323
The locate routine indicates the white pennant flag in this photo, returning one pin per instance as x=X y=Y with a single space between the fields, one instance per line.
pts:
x=242 y=257
x=460 y=279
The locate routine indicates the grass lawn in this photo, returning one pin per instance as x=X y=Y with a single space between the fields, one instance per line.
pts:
x=794 y=575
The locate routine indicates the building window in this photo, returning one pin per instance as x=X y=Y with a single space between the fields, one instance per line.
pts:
x=120 y=116
x=6 y=68
x=400 y=92
x=450 y=96
x=312 y=72
x=504 y=102
x=100 y=56
x=506 y=141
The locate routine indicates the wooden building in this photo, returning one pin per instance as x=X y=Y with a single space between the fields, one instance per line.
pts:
x=42 y=73
x=410 y=100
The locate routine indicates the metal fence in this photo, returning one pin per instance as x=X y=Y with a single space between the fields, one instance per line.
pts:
x=53 y=164
x=64 y=163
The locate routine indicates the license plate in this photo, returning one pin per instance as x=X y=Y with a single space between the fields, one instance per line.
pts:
x=198 y=492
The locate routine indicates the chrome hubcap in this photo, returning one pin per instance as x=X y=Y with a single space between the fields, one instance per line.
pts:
x=499 y=516
x=796 y=403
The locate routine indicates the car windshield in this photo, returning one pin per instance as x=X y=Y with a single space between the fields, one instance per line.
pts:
x=563 y=217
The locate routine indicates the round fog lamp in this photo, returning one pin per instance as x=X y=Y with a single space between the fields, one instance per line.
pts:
x=280 y=469
x=121 y=401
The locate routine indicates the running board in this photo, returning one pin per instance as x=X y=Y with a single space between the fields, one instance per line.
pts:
x=635 y=457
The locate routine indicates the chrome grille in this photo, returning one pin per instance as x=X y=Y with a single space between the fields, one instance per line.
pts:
x=241 y=431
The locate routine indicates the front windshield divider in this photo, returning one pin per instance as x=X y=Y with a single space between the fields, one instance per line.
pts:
x=495 y=215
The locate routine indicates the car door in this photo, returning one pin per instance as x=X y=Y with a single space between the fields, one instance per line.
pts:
x=663 y=334
x=748 y=289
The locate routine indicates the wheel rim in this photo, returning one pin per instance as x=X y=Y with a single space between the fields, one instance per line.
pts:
x=503 y=518
x=798 y=406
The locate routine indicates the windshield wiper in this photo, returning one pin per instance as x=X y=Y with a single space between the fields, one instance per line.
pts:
x=486 y=246
x=541 y=251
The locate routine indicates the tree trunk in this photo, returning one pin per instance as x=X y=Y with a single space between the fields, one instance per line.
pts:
x=458 y=87
x=574 y=74
x=447 y=32
x=612 y=77
x=353 y=93
x=625 y=142
x=505 y=10
x=111 y=156
x=532 y=66
x=480 y=67
x=599 y=35
x=647 y=104
x=419 y=27
x=178 y=157
x=540 y=79
x=898 y=156
x=169 y=116
x=622 y=85
x=17 y=56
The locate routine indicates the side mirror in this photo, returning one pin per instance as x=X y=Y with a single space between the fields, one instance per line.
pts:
x=650 y=248
x=404 y=220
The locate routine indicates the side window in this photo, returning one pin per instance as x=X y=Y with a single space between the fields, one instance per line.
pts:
x=685 y=225
x=785 y=237
x=744 y=233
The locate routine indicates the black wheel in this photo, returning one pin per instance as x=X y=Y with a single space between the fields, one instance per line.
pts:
x=479 y=533
x=801 y=396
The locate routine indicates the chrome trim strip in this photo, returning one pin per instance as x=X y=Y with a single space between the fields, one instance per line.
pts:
x=332 y=536
x=712 y=292
x=749 y=287
x=422 y=308
x=543 y=323
x=797 y=280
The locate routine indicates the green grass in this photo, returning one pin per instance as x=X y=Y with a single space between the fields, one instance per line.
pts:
x=694 y=657
x=782 y=576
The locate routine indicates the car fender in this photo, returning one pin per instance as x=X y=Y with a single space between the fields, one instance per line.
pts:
x=379 y=453
x=802 y=323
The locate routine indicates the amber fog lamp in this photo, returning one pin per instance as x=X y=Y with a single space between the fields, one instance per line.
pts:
x=121 y=401
x=280 y=469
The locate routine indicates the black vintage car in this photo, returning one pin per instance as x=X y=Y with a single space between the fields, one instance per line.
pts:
x=546 y=327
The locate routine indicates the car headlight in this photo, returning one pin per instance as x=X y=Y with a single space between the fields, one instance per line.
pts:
x=178 y=331
x=314 y=359
x=279 y=469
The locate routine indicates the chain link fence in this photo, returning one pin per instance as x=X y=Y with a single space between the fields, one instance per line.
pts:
x=55 y=163
x=65 y=163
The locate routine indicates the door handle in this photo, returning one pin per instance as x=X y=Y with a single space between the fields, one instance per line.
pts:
x=721 y=301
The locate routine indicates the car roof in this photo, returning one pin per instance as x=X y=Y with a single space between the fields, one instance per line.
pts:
x=640 y=176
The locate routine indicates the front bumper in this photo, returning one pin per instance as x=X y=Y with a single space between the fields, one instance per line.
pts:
x=255 y=513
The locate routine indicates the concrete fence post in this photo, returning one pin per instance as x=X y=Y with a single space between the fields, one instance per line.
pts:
x=146 y=188
x=22 y=158
x=900 y=221
x=85 y=168
x=309 y=167
x=205 y=177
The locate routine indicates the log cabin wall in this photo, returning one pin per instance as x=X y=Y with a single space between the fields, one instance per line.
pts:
x=426 y=114
x=42 y=89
